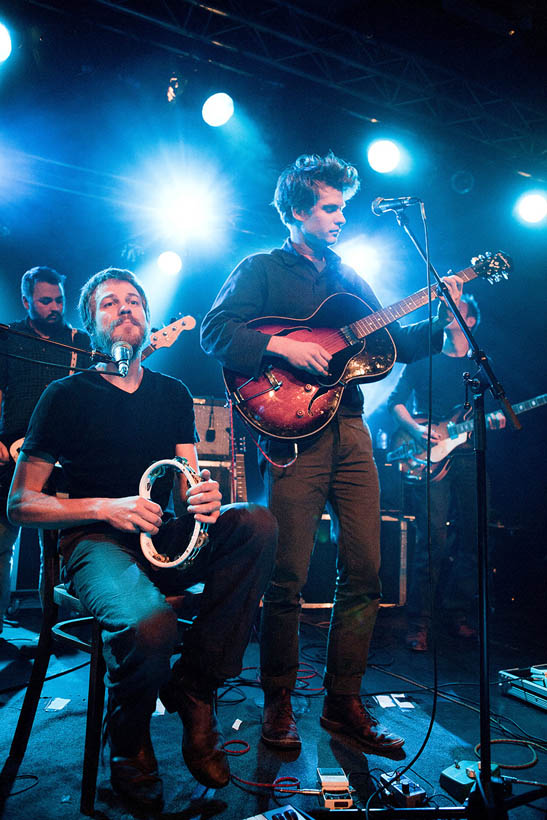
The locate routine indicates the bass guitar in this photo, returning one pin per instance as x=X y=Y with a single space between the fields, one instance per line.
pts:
x=453 y=434
x=286 y=403
x=164 y=337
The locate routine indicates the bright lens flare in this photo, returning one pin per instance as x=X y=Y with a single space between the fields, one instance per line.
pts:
x=362 y=257
x=187 y=212
x=169 y=262
x=5 y=43
x=217 y=109
x=532 y=207
x=383 y=156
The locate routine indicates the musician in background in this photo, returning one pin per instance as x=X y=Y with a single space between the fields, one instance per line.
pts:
x=452 y=498
x=333 y=467
x=22 y=382
x=106 y=431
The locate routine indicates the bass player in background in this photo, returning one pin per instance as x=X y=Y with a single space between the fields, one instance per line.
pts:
x=452 y=498
x=333 y=467
x=22 y=382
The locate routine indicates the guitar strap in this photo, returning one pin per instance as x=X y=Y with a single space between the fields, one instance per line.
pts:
x=73 y=354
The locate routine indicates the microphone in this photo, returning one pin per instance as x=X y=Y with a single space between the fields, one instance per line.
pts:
x=381 y=206
x=122 y=353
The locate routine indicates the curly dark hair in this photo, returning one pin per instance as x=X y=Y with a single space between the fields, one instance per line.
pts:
x=297 y=186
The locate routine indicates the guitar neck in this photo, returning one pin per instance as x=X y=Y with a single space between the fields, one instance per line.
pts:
x=147 y=351
x=241 y=483
x=376 y=321
x=521 y=407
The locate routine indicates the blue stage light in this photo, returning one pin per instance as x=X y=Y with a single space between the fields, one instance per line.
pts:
x=187 y=210
x=532 y=207
x=362 y=256
x=383 y=156
x=217 y=109
x=5 y=43
x=169 y=262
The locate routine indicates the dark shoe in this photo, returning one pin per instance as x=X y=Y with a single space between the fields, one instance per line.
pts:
x=202 y=738
x=136 y=778
x=279 y=726
x=346 y=715
x=416 y=640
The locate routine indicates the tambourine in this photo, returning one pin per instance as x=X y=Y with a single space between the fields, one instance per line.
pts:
x=199 y=536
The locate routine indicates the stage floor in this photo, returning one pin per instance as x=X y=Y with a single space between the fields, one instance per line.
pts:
x=48 y=787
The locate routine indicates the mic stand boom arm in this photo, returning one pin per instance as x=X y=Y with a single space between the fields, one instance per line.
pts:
x=484 y=379
x=93 y=354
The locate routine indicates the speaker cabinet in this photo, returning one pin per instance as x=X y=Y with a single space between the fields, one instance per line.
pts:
x=213 y=426
x=396 y=533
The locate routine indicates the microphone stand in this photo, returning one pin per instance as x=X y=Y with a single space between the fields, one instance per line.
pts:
x=93 y=354
x=486 y=800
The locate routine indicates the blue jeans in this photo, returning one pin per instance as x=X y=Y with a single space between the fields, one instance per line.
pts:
x=8 y=535
x=127 y=595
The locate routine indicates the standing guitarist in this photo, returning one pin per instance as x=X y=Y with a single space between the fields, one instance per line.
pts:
x=453 y=497
x=23 y=380
x=334 y=467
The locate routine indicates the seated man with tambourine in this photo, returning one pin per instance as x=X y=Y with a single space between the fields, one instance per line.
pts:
x=106 y=430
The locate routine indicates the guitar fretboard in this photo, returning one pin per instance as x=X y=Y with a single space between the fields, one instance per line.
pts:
x=376 y=321
x=241 y=483
x=521 y=407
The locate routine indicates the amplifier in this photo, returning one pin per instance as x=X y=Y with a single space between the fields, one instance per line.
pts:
x=396 y=536
x=213 y=426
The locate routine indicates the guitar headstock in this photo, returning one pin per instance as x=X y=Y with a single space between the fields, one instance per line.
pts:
x=165 y=336
x=492 y=266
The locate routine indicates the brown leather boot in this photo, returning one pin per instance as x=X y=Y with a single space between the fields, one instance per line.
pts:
x=136 y=778
x=279 y=726
x=202 y=738
x=346 y=715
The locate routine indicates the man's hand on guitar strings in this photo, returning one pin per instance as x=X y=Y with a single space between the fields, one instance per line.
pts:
x=308 y=356
x=419 y=433
x=496 y=421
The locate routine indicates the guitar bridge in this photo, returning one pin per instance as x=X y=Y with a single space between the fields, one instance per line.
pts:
x=272 y=378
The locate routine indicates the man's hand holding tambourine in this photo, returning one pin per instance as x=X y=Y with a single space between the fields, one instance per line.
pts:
x=204 y=499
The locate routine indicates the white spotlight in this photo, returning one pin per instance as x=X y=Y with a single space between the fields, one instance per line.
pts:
x=5 y=43
x=532 y=207
x=169 y=262
x=383 y=156
x=361 y=256
x=217 y=109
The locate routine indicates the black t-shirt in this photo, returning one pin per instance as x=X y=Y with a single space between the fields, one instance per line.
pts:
x=105 y=438
x=22 y=381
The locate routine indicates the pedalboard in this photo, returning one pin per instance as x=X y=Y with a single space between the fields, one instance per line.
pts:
x=459 y=779
x=400 y=791
x=529 y=684
x=335 y=791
